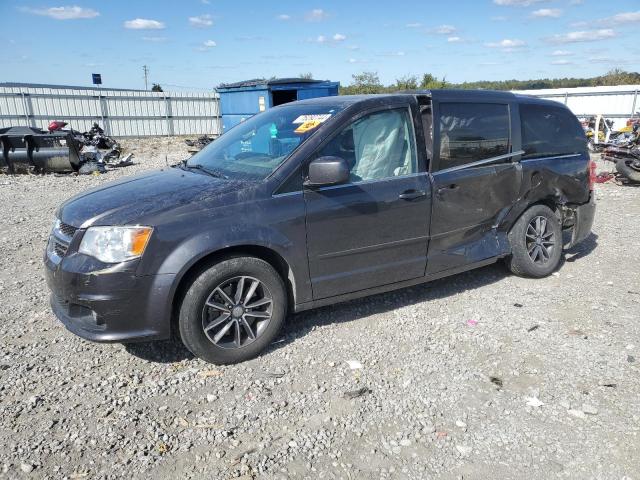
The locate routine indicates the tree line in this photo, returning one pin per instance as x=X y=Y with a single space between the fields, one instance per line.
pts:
x=369 y=82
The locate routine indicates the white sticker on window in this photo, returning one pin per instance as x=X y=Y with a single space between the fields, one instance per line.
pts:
x=312 y=118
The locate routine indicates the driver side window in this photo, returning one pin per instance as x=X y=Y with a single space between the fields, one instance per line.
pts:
x=377 y=146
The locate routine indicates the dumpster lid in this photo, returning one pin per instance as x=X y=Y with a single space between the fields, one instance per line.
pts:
x=263 y=81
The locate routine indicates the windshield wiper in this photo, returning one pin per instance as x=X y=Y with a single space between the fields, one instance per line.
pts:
x=208 y=171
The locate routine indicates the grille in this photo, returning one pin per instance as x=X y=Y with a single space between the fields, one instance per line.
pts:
x=60 y=248
x=66 y=229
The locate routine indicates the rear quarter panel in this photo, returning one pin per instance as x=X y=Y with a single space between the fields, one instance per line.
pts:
x=561 y=180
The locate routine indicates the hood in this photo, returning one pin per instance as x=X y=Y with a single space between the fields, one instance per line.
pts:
x=142 y=198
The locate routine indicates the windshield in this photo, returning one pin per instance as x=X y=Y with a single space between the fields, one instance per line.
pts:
x=256 y=147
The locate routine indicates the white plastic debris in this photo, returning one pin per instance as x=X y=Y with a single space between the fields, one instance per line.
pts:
x=534 y=402
x=354 y=364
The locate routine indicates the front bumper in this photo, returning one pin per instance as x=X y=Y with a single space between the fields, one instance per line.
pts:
x=584 y=215
x=111 y=304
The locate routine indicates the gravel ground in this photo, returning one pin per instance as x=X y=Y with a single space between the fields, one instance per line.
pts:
x=480 y=375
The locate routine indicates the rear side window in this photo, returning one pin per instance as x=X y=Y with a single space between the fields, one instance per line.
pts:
x=550 y=131
x=472 y=131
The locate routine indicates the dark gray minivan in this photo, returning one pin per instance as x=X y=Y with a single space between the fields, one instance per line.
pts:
x=317 y=202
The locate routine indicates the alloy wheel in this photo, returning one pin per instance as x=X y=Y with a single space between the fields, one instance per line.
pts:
x=540 y=240
x=237 y=312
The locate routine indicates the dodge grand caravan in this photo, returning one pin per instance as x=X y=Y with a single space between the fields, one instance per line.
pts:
x=317 y=202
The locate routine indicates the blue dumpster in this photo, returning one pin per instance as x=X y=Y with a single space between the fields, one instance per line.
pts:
x=241 y=100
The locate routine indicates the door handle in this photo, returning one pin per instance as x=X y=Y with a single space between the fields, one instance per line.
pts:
x=448 y=188
x=412 y=194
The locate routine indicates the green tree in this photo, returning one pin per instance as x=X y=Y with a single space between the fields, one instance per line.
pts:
x=430 y=82
x=364 y=83
x=407 y=82
x=156 y=88
x=306 y=76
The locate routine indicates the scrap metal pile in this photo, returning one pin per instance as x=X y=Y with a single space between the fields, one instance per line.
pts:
x=199 y=143
x=622 y=146
x=59 y=150
x=625 y=153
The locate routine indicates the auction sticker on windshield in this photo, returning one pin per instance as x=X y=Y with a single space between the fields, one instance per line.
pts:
x=309 y=122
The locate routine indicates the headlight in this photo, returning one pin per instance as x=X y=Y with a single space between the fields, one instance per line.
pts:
x=115 y=244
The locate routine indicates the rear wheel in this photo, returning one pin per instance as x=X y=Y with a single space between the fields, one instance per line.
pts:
x=536 y=243
x=233 y=310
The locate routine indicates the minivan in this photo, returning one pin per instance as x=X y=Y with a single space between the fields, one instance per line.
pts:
x=317 y=202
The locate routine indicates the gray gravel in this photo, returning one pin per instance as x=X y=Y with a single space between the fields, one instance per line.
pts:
x=481 y=375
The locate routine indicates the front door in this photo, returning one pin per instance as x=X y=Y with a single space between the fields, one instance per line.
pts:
x=372 y=230
x=475 y=183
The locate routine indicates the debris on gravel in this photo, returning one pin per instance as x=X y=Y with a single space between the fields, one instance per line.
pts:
x=434 y=398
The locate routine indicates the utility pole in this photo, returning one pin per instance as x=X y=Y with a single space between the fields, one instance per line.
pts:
x=145 y=69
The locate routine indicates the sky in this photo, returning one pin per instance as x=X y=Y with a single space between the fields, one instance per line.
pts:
x=198 y=44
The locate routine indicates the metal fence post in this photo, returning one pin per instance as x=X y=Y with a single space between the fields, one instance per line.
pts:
x=635 y=99
x=28 y=109
x=566 y=97
x=169 y=116
x=104 y=113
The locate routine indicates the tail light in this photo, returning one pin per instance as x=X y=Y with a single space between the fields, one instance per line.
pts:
x=592 y=174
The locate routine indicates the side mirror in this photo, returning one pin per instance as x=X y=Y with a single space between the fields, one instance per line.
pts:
x=325 y=171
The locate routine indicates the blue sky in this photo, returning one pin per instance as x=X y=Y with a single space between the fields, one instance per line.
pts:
x=191 y=44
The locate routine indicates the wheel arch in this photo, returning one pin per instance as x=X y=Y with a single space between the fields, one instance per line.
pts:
x=261 y=252
x=553 y=202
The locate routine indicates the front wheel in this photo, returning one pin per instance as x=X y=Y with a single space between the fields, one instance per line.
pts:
x=536 y=243
x=233 y=310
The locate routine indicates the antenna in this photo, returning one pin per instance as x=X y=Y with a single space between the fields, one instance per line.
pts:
x=145 y=69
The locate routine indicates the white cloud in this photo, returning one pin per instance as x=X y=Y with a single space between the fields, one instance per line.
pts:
x=517 y=3
x=209 y=44
x=143 y=24
x=454 y=39
x=330 y=40
x=547 y=13
x=316 y=15
x=506 y=44
x=413 y=25
x=63 y=13
x=622 y=19
x=580 y=24
x=391 y=54
x=582 y=36
x=284 y=17
x=201 y=21
x=154 y=39
x=561 y=53
x=561 y=62
x=443 y=30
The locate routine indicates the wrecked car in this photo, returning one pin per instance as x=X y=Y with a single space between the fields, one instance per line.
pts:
x=59 y=150
x=317 y=202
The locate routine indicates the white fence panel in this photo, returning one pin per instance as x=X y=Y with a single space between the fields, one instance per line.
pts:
x=122 y=113
x=617 y=103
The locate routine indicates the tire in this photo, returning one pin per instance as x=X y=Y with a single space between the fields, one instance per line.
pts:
x=211 y=303
x=625 y=167
x=525 y=237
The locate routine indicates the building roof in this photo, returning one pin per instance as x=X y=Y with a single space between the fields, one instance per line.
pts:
x=73 y=87
x=263 y=81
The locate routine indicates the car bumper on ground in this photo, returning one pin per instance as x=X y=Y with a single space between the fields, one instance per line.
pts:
x=109 y=305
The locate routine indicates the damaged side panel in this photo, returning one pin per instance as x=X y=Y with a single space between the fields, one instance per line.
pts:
x=562 y=181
